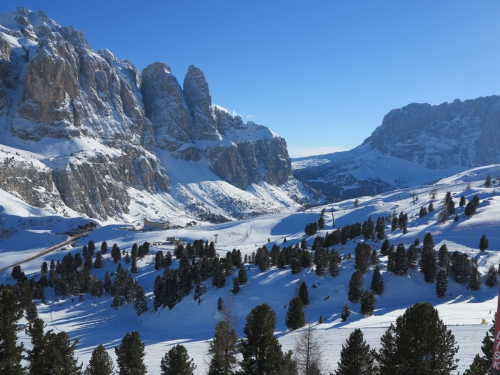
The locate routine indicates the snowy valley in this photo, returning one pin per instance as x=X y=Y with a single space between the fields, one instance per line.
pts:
x=191 y=322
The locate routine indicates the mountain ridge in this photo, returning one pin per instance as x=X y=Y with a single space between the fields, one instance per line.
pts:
x=418 y=143
x=105 y=123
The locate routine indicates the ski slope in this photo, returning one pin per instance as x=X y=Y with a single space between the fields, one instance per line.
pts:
x=93 y=320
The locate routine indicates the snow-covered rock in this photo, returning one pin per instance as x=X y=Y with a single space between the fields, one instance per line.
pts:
x=415 y=144
x=98 y=125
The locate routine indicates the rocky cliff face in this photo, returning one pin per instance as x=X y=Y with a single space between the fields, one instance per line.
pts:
x=438 y=137
x=55 y=88
x=190 y=127
x=418 y=143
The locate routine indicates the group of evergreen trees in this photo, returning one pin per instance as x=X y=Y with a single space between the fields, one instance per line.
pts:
x=369 y=230
x=419 y=343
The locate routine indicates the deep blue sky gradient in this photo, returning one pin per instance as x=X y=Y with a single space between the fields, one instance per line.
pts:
x=320 y=73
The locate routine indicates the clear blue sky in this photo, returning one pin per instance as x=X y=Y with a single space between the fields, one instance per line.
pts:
x=320 y=73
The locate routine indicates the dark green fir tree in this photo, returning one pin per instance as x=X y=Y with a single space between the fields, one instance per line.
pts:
x=355 y=356
x=100 y=363
x=304 y=293
x=441 y=283
x=177 y=362
x=377 y=284
x=355 y=286
x=130 y=355
x=11 y=354
x=295 y=317
x=345 y=312
x=261 y=351
x=433 y=353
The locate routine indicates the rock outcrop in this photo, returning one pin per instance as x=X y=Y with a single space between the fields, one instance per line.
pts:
x=55 y=88
x=190 y=127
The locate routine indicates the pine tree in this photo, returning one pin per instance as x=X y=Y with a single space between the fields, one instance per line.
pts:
x=460 y=267
x=441 y=283
x=400 y=261
x=422 y=212
x=391 y=255
x=487 y=182
x=304 y=293
x=116 y=254
x=334 y=264
x=134 y=268
x=355 y=357
x=362 y=254
x=385 y=248
x=262 y=259
x=100 y=363
x=491 y=277
x=377 y=284
x=419 y=343
x=295 y=317
x=220 y=304
x=345 y=312
x=475 y=279
x=59 y=355
x=36 y=355
x=380 y=228
x=367 y=303
x=321 y=222
x=462 y=202
x=431 y=207
x=98 y=262
x=104 y=248
x=261 y=351
x=412 y=257
x=176 y=362
x=11 y=354
x=295 y=266
x=242 y=275
x=236 y=286
x=483 y=243
x=140 y=301
x=130 y=355
x=428 y=259
x=355 y=287
x=444 y=258
x=159 y=262
x=223 y=348
x=471 y=207
x=394 y=224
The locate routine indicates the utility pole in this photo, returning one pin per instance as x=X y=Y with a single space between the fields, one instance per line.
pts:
x=215 y=235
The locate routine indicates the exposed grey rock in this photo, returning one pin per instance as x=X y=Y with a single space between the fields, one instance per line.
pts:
x=199 y=103
x=416 y=144
x=35 y=186
x=165 y=107
x=438 y=137
x=74 y=94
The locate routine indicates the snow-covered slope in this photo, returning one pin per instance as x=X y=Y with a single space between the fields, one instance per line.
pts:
x=192 y=323
x=415 y=144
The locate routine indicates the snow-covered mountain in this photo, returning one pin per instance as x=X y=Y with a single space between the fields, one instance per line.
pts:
x=84 y=131
x=415 y=144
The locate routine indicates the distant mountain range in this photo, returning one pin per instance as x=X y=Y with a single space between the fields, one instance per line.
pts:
x=86 y=132
x=419 y=143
